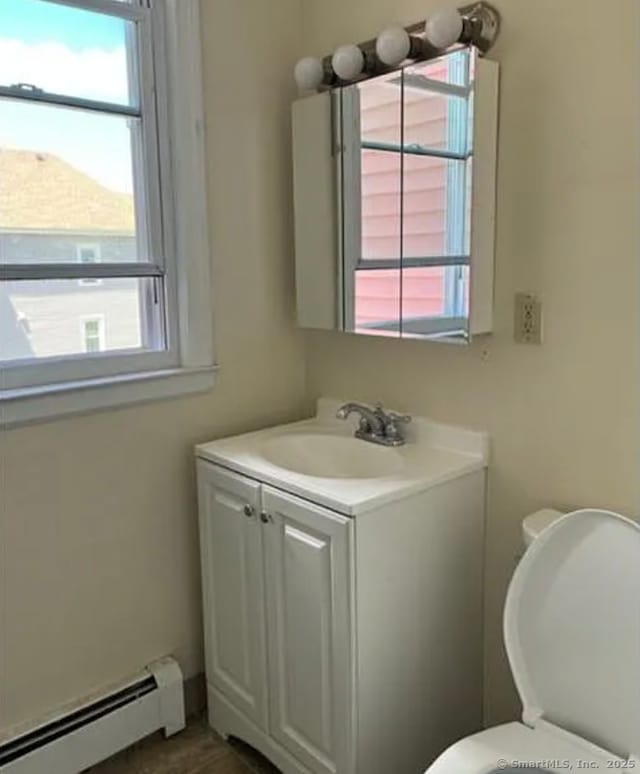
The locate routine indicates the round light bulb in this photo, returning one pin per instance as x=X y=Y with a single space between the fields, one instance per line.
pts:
x=309 y=73
x=393 y=46
x=348 y=62
x=444 y=28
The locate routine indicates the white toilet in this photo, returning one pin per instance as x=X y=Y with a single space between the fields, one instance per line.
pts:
x=572 y=633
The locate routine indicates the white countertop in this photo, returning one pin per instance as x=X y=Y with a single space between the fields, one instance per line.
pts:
x=434 y=453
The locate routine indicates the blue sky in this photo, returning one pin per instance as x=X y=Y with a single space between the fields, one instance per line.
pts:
x=71 y=51
x=35 y=21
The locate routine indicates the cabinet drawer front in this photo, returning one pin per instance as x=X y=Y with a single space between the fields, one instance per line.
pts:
x=233 y=571
x=308 y=624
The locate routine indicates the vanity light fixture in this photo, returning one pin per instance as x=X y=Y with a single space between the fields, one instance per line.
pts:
x=309 y=73
x=348 y=62
x=477 y=24
x=393 y=46
x=444 y=28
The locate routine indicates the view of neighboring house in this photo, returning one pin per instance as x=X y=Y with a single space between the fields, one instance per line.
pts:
x=51 y=212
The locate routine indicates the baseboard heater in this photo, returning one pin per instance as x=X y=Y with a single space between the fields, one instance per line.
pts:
x=95 y=729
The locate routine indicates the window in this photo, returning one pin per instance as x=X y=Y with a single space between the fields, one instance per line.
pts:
x=88 y=254
x=95 y=147
x=93 y=334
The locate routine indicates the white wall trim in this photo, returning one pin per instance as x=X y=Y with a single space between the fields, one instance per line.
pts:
x=189 y=165
x=53 y=401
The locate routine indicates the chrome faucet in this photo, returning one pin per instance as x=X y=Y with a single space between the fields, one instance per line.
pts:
x=376 y=425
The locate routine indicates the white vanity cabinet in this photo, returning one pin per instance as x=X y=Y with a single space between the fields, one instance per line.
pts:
x=342 y=640
x=276 y=577
x=307 y=592
x=233 y=589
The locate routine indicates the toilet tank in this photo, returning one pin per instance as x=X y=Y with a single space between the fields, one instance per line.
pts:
x=535 y=523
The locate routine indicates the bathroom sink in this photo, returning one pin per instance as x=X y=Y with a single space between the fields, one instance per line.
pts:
x=321 y=460
x=331 y=456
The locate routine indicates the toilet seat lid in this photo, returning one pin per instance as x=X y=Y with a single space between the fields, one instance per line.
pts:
x=572 y=629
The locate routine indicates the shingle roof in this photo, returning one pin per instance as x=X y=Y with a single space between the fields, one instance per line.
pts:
x=39 y=191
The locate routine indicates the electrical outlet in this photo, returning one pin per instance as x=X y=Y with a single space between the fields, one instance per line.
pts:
x=528 y=319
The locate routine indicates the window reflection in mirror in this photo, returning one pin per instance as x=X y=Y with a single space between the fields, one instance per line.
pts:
x=372 y=184
x=407 y=139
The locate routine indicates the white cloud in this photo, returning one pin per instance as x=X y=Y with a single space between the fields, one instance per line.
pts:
x=97 y=145
x=90 y=73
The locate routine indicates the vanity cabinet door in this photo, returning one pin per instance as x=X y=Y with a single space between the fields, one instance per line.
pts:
x=308 y=605
x=233 y=571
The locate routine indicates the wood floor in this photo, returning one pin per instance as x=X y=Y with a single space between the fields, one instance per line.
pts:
x=196 y=750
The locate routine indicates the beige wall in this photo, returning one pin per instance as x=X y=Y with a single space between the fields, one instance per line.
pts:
x=98 y=541
x=563 y=416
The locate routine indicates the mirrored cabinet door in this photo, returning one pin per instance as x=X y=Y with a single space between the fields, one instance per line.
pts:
x=436 y=196
x=370 y=177
x=410 y=182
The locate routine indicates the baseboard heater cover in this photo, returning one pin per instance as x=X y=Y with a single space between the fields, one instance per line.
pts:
x=95 y=730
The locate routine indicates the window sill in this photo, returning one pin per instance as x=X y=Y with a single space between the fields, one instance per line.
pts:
x=53 y=401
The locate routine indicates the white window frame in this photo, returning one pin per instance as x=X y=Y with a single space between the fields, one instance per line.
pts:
x=79 y=384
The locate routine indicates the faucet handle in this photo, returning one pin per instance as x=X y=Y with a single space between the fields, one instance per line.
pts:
x=391 y=426
x=379 y=411
x=391 y=416
x=399 y=418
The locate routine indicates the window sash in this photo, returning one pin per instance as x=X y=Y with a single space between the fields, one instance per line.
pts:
x=42 y=97
x=157 y=352
x=133 y=10
x=373 y=264
x=16 y=272
x=151 y=231
x=415 y=150
x=153 y=198
x=148 y=191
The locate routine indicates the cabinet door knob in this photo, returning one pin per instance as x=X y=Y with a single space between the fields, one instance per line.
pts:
x=249 y=510
x=264 y=517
